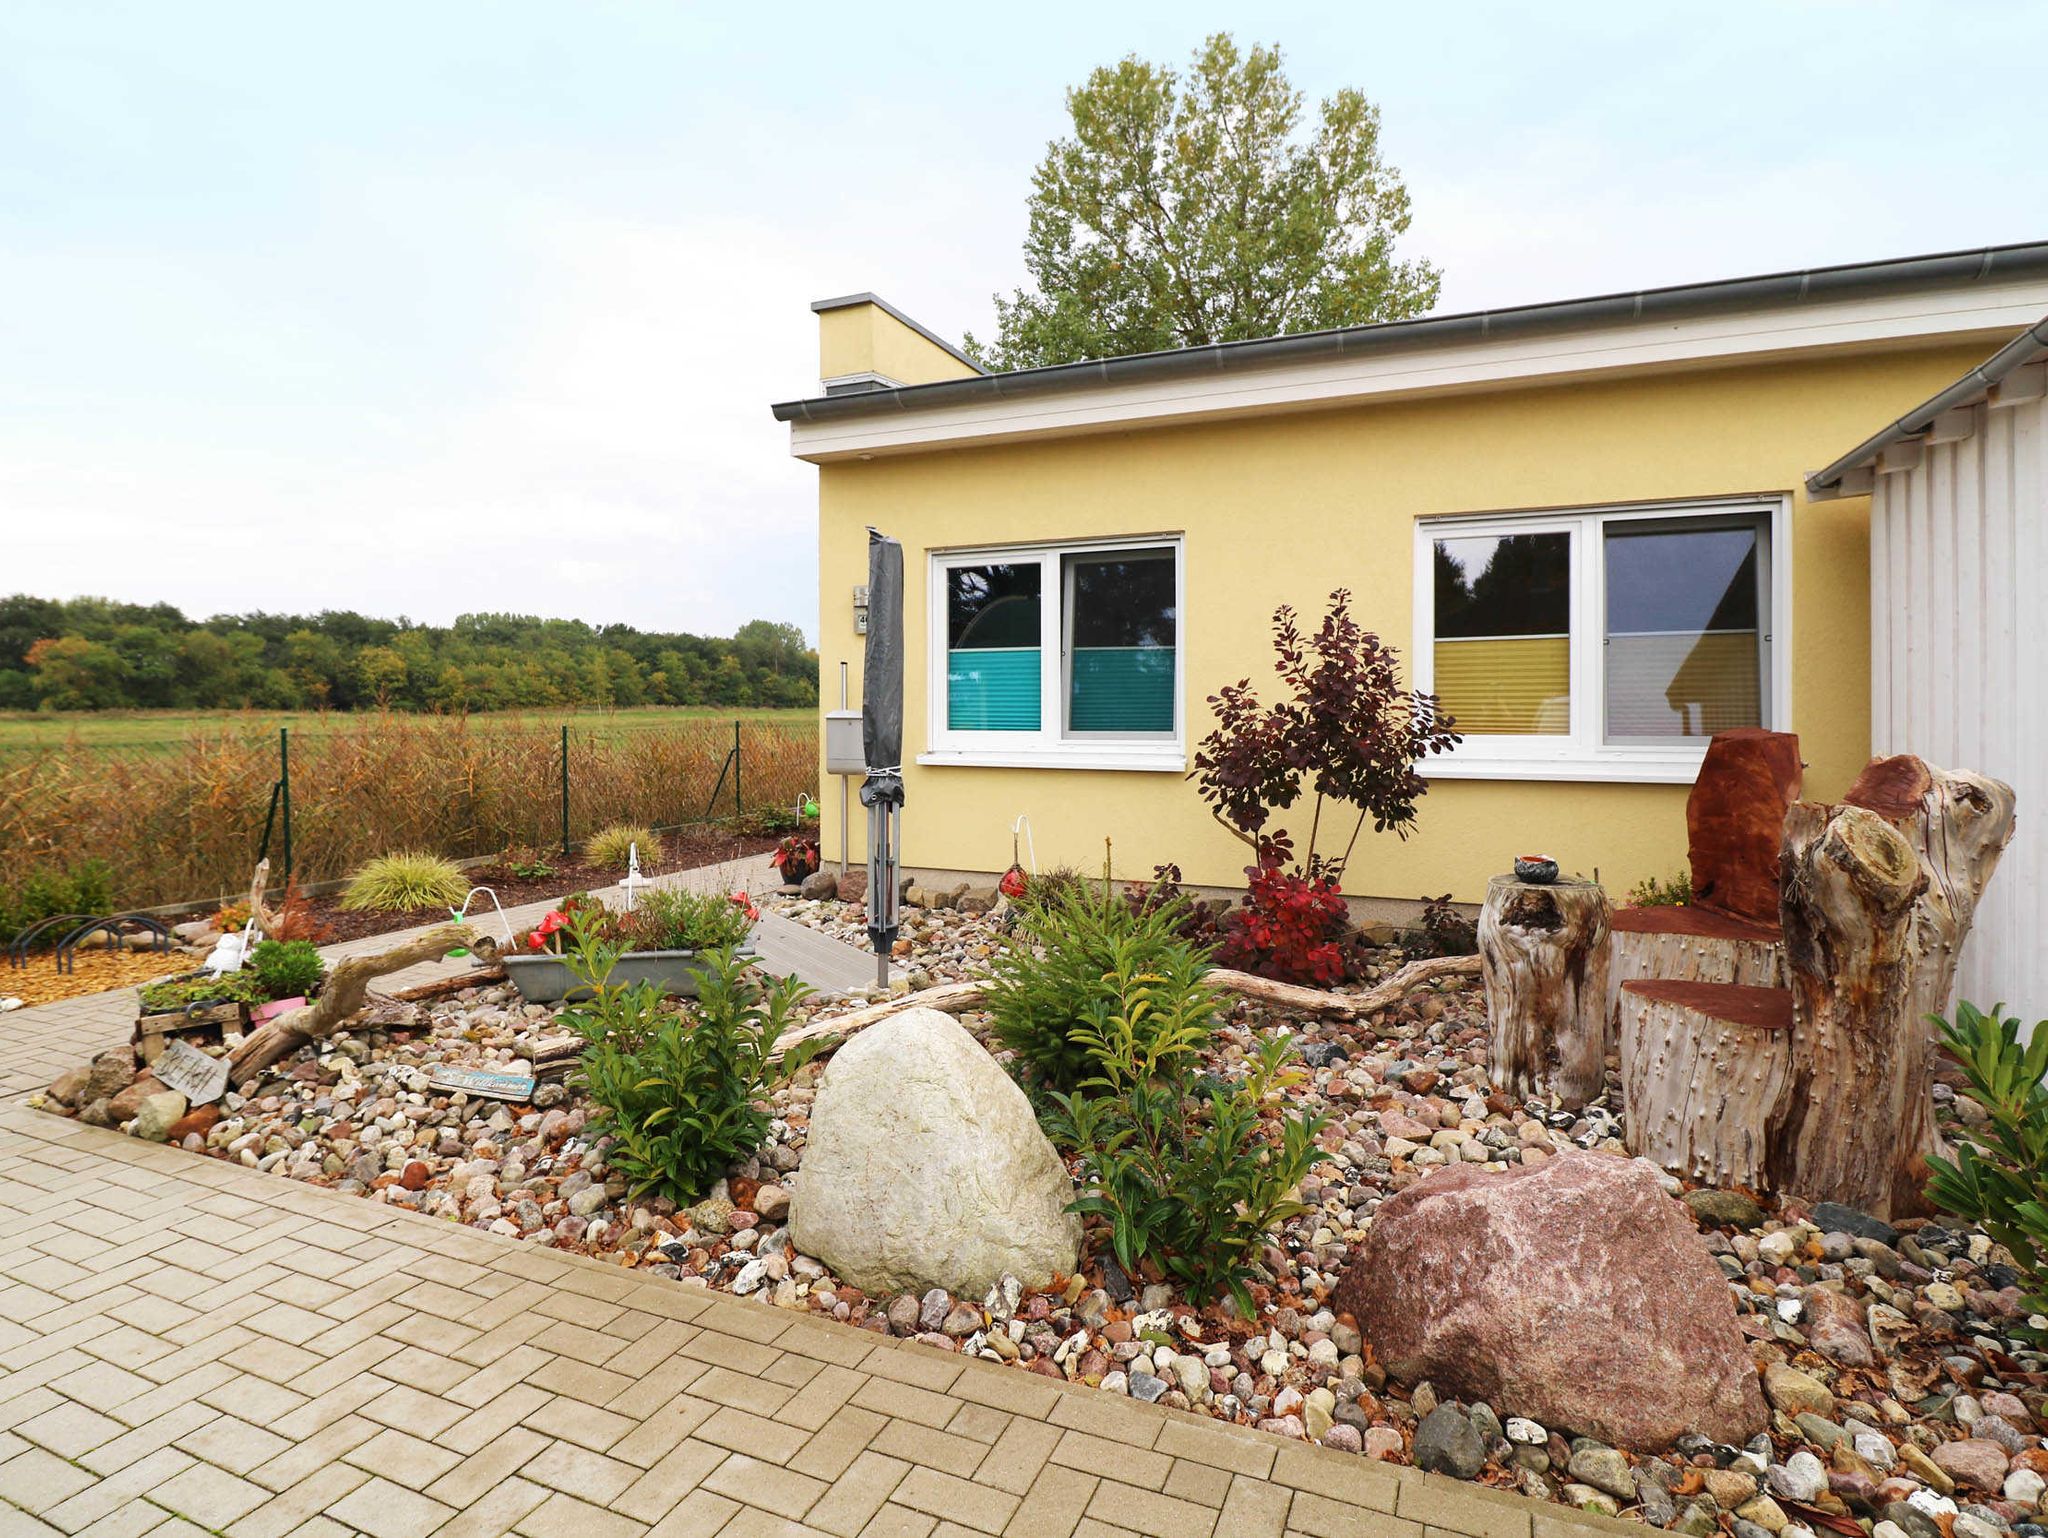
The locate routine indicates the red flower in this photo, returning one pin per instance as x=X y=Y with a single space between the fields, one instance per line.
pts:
x=549 y=923
x=741 y=900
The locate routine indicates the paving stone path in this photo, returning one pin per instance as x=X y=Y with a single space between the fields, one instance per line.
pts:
x=190 y=1347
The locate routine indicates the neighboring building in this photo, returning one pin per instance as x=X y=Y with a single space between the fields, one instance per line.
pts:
x=1586 y=525
x=1958 y=491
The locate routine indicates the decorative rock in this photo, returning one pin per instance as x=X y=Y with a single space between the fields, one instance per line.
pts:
x=1797 y=1393
x=926 y=1167
x=1574 y=1292
x=1382 y=1442
x=819 y=886
x=1801 y=1477
x=1586 y=1498
x=772 y=1203
x=2024 y=1487
x=1724 y=1209
x=1604 y=1469
x=1837 y=1328
x=1977 y=1462
x=1445 y=1443
x=1835 y=1218
x=1730 y=1488
x=158 y=1114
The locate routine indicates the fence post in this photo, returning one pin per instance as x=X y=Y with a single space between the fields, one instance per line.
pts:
x=565 y=787
x=284 y=780
x=739 y=807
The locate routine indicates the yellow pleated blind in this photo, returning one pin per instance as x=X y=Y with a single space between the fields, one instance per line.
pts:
x=1498 y=685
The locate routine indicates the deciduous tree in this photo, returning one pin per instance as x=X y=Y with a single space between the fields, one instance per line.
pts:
x=1186 y=210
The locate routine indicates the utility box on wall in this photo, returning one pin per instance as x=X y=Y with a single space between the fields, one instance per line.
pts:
x=845 y=753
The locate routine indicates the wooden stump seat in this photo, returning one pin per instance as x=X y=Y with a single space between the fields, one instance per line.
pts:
x=1689 y=945
x=1705 y=1068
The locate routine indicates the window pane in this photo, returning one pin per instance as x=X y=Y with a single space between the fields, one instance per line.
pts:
x=1121 y=632
x=1684 y=657
x=1503 y=633
x=992 y=648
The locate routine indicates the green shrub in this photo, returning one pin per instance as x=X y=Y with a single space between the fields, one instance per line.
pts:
x=611 y=847
x=1652 y=893
x=406 y=881
x=87 y=887
x=287 y=969
x=233 y=987
x=1999 y=1177
x=1096 y=948
x=678 y=1090
x=1182 y=1168
x=666 y=920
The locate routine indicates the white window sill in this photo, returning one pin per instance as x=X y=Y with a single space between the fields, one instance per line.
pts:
x=1607 y=768
x=1157 y=761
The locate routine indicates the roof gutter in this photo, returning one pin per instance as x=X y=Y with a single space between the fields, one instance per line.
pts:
x=1945 y=270
x=2029 y=346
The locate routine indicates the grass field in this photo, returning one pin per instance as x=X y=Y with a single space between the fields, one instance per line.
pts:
x=131 y=729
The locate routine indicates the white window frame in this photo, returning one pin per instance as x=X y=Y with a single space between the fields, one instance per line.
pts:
x=1052 y=746
x=1584 y=753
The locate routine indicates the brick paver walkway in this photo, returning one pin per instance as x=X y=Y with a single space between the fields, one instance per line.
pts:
x=189 y=1346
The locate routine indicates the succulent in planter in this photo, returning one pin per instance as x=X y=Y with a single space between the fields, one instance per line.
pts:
x=797 y=857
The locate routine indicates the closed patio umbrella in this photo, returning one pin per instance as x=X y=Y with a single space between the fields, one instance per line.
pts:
x=881 y=713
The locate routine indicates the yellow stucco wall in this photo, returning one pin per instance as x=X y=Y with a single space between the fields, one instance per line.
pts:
x=1284 y=509
x=867 y=339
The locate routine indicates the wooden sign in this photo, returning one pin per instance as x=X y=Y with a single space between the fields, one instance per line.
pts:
x=482 y=1082
x=184 y=1068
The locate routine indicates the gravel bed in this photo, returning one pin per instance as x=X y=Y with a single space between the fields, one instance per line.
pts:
x=1936 y=1436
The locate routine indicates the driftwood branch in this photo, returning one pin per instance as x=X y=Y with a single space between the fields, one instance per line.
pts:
x=1345 y=1006
x=345 y=993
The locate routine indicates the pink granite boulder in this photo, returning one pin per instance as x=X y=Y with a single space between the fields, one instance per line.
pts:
x=1574 y=1292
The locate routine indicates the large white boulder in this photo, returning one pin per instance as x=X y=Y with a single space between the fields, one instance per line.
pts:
x=925 y=1168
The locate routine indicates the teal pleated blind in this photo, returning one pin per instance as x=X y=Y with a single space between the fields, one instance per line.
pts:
x=1121 y=689
x=991 y=689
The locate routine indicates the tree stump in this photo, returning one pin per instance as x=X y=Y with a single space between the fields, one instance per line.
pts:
x=1543 y=954
x=1704 y=1072
x=1689 y=945
x=1959 y=824
x=1850 y=887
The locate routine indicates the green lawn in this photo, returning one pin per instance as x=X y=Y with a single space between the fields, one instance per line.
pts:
x=164 y=728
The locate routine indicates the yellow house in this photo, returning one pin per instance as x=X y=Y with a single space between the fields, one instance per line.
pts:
x=1585 y=525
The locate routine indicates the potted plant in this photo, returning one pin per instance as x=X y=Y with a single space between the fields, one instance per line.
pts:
x=797 y=858
x=661 y=941
x=279 y=976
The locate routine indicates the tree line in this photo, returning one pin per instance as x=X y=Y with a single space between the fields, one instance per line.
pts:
x=96 y=654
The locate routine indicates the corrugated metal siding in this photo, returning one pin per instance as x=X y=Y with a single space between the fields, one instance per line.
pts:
x=1959 y=660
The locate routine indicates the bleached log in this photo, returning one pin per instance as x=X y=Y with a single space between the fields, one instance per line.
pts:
x=1704 y=1072
x=1958 y=823
x=345 y=992
x=952 y=997
x=1689 y=945
x=1859 y=1060
x=1543 y=951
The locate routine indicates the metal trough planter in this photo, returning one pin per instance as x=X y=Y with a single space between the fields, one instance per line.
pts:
x=546 y=979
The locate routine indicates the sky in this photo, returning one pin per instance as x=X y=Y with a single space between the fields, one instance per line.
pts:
x=427 y=309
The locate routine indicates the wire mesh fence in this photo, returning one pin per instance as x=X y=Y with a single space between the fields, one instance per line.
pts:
x=186 y=820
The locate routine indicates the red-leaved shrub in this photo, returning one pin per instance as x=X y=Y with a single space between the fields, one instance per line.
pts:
x=1288 y=927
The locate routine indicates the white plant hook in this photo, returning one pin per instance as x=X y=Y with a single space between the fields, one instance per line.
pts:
x=503 y=922
x=1022 y=828
x=634 y=880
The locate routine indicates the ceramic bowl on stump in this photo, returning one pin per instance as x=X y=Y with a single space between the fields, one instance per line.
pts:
x=1536 y=869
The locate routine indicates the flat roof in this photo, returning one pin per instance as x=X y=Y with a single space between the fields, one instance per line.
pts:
x=1943 y=270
